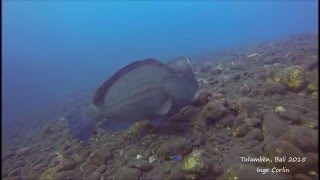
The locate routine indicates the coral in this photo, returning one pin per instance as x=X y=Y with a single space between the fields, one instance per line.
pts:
x=49 y=174
x=279 y=109
x=312 y=87
x=196 y=163
x=293 y=77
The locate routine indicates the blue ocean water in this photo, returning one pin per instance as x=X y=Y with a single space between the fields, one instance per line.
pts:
x=54 y=50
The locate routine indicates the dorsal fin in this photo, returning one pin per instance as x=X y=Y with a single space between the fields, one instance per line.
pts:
x=102 y=90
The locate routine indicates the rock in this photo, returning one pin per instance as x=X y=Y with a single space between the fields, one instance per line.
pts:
x=101 y=157
x=79 y=158
x=253 y=122
x=202 y=99
x=140 y=129
x=197 y=163
x=252 y=55
x=102 y=169
x=311 y=66
x=188 y=111
x=240 y=128
x=272 y=125
x=248 y=105
x=49 y=129
x=19 y=164
x=294 y=78
x=205 y=68
x=227 y=121
x=66 y=165
x=23 y=151
x=243 y=90
x=144 y=165
x=127 y=173
x=212 y=111
x=312 y=87
x=176 y=175
x=67 y=152
x=217 y=169
x=7 y=156
x=312 y=161
x=310 y=120
x=303 y=137
x=185 y=114
x=290 y=114
x=174 y=146
x=152 y=158
x=199 y=140
x=255 y=134
x=281 y=148
x=49 y=174
x=177 y=117
x=315 y=95
x=15 y=172
x=252 y=144
x=270 y=88
x=66 y=175
x=301 y=176
x=95 y=176
x=236 y=77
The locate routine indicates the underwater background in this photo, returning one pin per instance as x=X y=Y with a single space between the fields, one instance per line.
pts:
x=55 y=51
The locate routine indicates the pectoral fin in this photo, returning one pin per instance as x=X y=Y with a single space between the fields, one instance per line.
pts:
x=165 y=108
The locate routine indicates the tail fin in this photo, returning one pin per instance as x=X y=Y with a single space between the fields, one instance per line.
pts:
x=83 y=131
x=86 y=125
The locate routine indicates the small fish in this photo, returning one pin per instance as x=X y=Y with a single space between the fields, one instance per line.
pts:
x=143 y=90
x=175 y=157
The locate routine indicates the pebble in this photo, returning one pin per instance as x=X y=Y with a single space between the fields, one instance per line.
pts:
x=301 y=176
x=177 y=175
x=310 y=120
x=101 y=157
x=227 y=120
x=240 y=128
x=127 y=173
x=281 y=148
x=272 y=125
x=140 y=129
x=202 y=99
x=255 y=134
x=174 y=146
x=248 y=105
x=269 y=88
x=303 y=137
x=290 y=114
x=253 y=122
x=66 y=175
x=212 y=111
x=7 y=156
x=66 y=165
x=15 y=172
x=144 y=165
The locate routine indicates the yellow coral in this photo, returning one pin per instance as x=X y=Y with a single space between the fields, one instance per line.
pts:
x=279 y=109
x=293 y=77
x=49 y=174
x=314 y=95
x=312 y=87
x=195 y=164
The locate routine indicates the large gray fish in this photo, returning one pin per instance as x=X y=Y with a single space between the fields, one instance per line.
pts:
x=143 y=90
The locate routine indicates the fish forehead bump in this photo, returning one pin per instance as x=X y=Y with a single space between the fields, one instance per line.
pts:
x=181 y=65
x=103 y=89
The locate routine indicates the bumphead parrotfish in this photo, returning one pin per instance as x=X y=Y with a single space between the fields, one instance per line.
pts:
x=143 y=90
